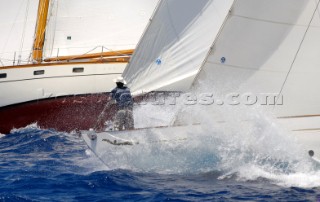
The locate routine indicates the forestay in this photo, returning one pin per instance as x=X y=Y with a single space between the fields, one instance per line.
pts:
x=175 y=44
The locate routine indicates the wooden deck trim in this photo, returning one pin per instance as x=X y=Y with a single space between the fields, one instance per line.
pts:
x=120 y=53
x=97 y=61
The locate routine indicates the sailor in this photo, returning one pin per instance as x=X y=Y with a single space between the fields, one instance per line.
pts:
x=121 y=95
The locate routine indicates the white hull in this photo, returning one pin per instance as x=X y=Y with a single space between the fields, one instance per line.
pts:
x=21 y=85
x=306 y=130
x=117 y=143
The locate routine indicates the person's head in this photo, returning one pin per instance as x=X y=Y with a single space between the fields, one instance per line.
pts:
x=120 y=82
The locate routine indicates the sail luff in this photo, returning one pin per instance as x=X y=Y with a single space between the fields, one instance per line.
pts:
x=40 y=30
x=213 y=43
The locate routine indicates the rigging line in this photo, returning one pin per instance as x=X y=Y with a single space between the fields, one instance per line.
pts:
x=217 y=37
x=296 y=55
x=9 y=34
x=44 y=28
x=120 y=54
x=318 y=10
x=11 y=60
x=24 y=30
x=85 y=53
x=96 y=48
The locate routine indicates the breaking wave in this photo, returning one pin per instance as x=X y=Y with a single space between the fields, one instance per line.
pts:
x=256 y=149
x=247 y=150
x=250 y=145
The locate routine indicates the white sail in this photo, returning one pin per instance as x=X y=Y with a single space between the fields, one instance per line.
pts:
x=259 y=48
x=17 y=22
x=175 y=44
x=81 y=26
x=265 y=48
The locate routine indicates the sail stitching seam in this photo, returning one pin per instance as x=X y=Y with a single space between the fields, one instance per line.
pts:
x=242 y=67
x=271 y=21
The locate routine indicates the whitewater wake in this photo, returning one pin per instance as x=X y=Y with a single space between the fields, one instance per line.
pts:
x=246 y=143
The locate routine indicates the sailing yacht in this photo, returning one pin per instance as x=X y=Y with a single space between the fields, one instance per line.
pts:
x=58 y=58
x=242 y=46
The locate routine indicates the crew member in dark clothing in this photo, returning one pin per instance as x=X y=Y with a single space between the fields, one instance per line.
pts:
x=123 y=119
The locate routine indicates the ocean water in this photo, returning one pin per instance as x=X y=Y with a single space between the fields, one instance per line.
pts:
x=46 y=165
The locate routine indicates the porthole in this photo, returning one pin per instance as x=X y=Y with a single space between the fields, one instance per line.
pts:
x=77 y=69
x=38 y=72
x=3 y=75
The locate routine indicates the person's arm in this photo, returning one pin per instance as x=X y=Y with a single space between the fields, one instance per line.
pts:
x=113 y=94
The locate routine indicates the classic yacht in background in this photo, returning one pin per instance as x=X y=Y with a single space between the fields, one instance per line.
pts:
x=57 y=58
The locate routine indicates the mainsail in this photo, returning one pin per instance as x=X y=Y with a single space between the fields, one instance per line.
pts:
x=18 y=21
x=74 y=27
x=80 y=26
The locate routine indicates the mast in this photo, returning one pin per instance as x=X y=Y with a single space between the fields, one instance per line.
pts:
x=40 y=30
